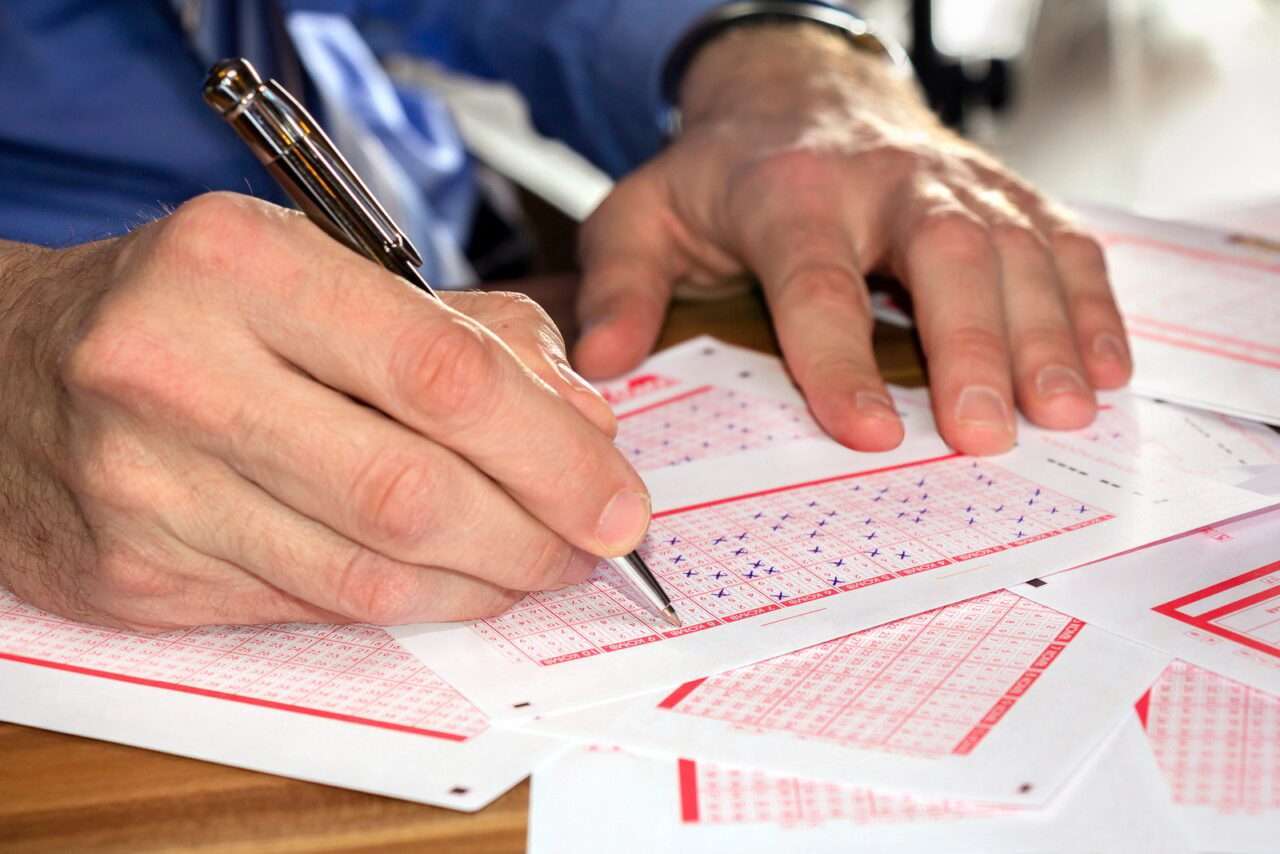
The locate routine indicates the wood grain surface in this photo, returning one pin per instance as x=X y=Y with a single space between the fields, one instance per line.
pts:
x=63 y=793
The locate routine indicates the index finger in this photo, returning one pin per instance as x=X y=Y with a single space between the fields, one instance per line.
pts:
x=809 y=268
x=358 y=329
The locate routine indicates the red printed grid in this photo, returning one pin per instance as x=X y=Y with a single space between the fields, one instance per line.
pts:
x=357 y=674
x=717 y=795
x=708 y=421
x=741 y=557
x=933 y=684
x=1244 y=609
x=1217 y=741
x=1229 y=321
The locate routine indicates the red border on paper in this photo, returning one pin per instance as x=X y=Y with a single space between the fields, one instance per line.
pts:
x=1136 y=322
x=658 y=404
x=1204 y=622
x=688 y=772
x=235 y=698
x=789 y=487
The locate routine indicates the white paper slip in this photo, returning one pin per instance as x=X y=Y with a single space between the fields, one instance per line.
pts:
x=995 y=699
x=1211 y=598
x=588 y=801
x=801 y=543
x=341 y=705
x=1218 y=745
x=1134 y=433
x=1202 y=310
x=1264 y=480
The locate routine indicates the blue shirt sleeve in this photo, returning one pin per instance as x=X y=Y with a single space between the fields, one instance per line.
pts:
x=590 y=69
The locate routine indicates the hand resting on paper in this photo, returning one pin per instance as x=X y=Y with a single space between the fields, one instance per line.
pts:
x=227 y=416
x=809 y=164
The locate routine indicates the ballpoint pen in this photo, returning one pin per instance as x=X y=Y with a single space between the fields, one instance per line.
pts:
x=299 y=155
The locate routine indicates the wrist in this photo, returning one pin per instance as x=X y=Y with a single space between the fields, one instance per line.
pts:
x=786 y=68
x=40 y=303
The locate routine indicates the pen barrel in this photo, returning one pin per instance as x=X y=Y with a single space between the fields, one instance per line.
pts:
x=300 y=157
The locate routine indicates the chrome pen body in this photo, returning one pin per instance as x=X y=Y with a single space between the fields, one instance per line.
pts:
x=299 y=155
x=633 y=568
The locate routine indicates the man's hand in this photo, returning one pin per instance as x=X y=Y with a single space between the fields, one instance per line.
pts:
x=227 y=417
x=805 y=162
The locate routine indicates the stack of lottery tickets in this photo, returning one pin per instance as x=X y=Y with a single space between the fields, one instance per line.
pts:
x=1074 y=646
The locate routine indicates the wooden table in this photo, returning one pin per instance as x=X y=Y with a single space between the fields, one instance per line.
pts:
x=63 y=793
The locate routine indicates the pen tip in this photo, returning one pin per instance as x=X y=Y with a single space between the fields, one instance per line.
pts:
x=669 y=614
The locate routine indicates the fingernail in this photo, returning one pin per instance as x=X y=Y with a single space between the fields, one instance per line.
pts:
x=1110 y=347
x=1054 y=380
x=580 y=568
x=573 y=378
x=875 y=405
x=982 y=406
x=623 y=521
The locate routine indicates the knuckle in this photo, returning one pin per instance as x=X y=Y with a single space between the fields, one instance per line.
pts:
x=116 y=355
x=1035 y=343
x=827 y=286
x=492 y=603
x=546 y=565
x=107 y=469
x=393 y=499
x=787 y=167
x=1017 y=237
x=520 y=313
x=449 y=372
x=1078 y=247
x=210 y=230
x=591 y=467
x=1094 y=304
x=973 y=344
x=955 y=235
x=894 y=159
x=519 y=304
x=370 y=589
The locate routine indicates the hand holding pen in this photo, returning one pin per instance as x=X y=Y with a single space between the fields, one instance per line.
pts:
x=229 y=417
x=298 y=154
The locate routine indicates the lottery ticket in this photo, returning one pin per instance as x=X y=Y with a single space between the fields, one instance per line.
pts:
x=1217 y=743
x=641 y=804
x=953 y=703
x=342 y=705
x=1202 y=309
x=1132 y=433
x=802 y=542
x=1211 y=598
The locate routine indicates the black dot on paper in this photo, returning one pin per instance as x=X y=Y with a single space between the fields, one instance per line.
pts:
x=523 y=705
x=459 y=790
x=1037 y=582
x=1025 y=788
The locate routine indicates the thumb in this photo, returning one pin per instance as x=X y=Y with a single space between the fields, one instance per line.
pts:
x=628 y=266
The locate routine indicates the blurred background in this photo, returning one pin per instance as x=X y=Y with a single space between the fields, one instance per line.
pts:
x=1167 y=107
x=1171 y=107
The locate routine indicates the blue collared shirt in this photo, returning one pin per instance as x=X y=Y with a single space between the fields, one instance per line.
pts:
x=102 y=127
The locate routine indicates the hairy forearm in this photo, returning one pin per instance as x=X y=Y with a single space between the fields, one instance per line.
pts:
x=36 y=513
